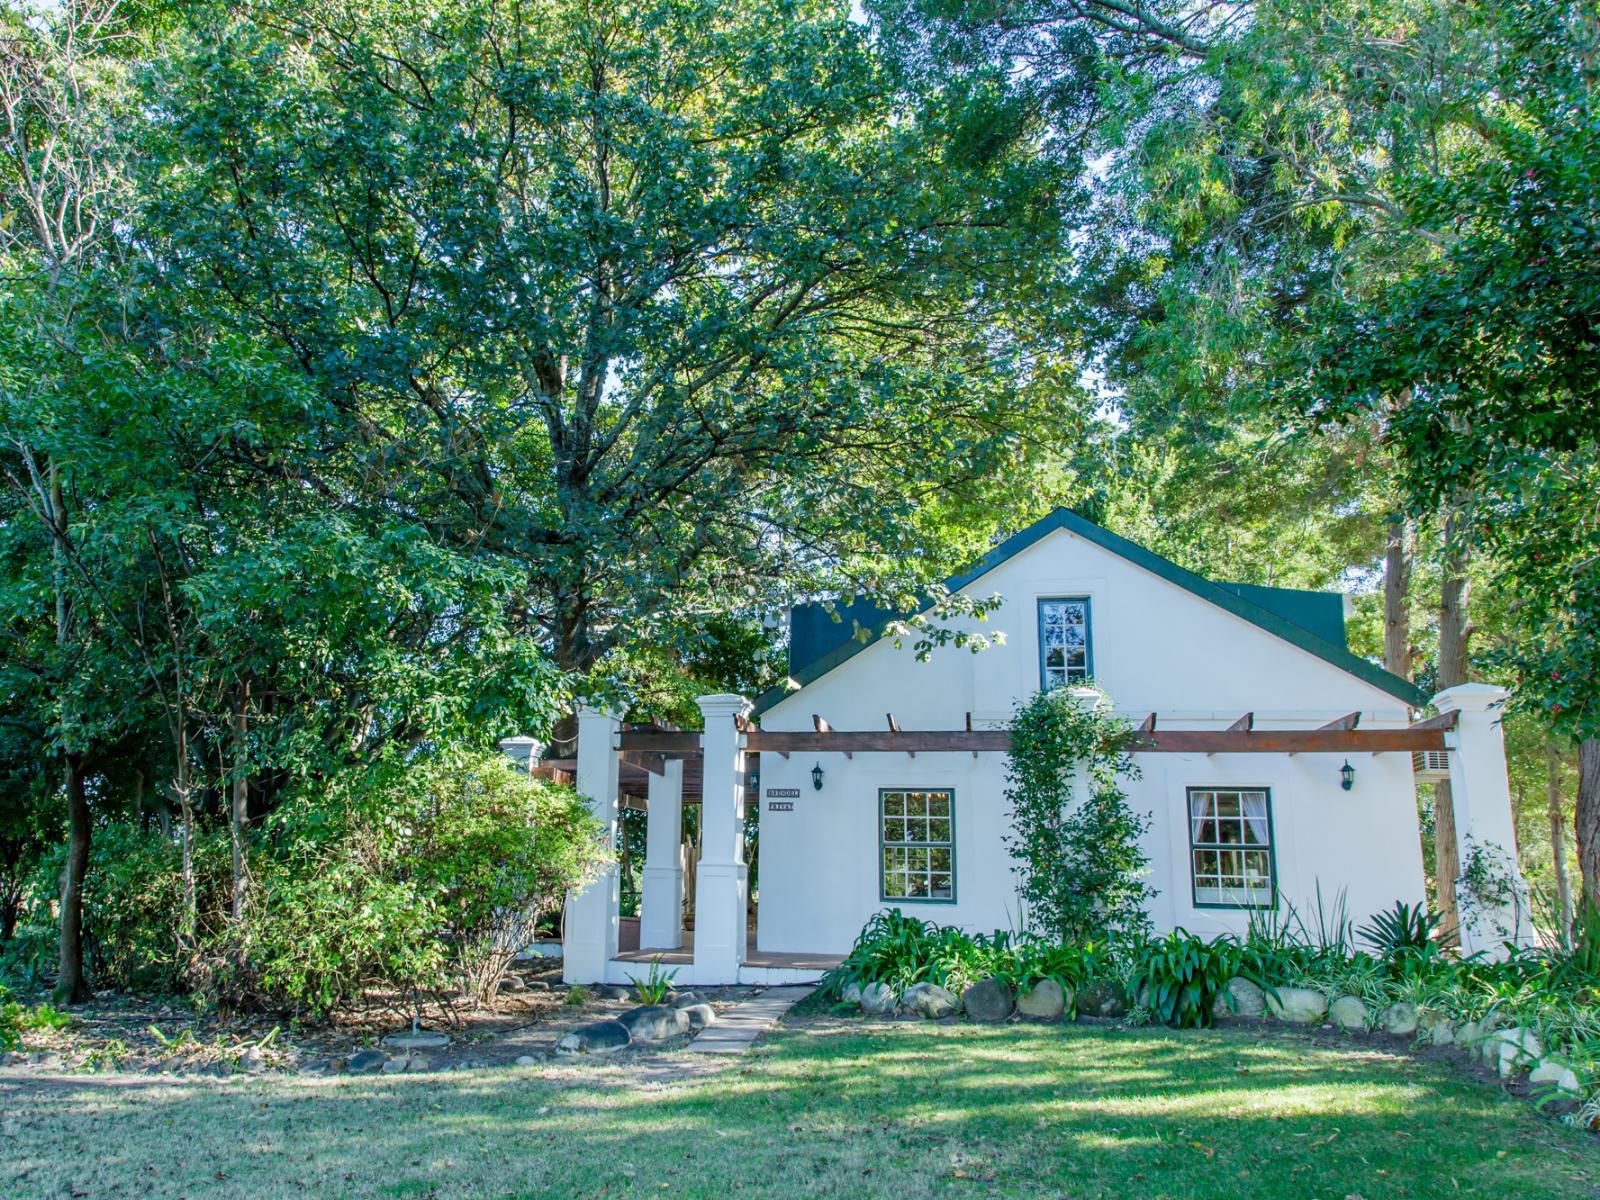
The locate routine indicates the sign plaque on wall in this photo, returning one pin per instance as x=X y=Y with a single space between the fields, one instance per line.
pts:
x=780 y=805
x=783 y=793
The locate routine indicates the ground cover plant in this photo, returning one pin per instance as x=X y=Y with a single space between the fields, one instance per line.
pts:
x=829 y=1109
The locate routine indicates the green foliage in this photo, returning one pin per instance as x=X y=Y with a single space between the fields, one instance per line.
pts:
x=16 y=1018
x=577 y=995
x=897 y=951
x=1180 y=977
x=1080 y=865
x=1404 y=937
x=427 y=872
x=653 y=988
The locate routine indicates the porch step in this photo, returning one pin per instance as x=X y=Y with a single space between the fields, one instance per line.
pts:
x=737 y=1029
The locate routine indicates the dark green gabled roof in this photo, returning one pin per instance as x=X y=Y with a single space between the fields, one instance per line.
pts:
x=1238 y=602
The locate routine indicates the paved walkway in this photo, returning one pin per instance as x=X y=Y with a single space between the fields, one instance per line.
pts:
x=738 y=1028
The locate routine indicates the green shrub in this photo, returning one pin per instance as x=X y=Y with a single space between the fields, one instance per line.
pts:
x=898 y=950
x=425 y=875
x=1180 y=977
x=653 y=988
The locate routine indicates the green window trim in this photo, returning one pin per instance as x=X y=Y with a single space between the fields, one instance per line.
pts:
x=1218 y=857
x=917 y=843
x=1070 y=671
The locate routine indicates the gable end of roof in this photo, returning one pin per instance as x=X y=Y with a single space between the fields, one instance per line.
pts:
x=1234 y=602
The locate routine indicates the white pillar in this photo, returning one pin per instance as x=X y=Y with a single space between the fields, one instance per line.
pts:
x=1491 y=894
x=719 y=900
x=589 y=936
x=661 y=904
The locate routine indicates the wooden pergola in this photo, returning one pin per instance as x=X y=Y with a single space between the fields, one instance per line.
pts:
x=647 y=749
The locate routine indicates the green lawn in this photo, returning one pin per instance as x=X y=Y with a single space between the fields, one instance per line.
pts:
x=830 y=1110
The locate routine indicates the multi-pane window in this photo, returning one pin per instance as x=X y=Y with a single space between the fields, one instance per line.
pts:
x=919 y=843
x=1230 y=846
x=1063 y=641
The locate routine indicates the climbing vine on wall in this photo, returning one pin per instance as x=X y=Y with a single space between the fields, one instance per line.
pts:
x=1078 y=859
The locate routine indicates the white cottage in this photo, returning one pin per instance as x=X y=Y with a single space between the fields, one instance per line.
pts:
x=1275 y=764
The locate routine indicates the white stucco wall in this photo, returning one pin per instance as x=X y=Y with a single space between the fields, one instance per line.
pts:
x=1156 y=647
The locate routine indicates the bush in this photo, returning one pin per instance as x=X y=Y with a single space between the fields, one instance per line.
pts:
x=1180 y=977
x=424 y=875
x=132 y=907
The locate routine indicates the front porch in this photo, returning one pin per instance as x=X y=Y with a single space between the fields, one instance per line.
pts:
x=758 y=967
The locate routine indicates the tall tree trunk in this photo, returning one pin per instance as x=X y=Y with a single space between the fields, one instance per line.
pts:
x=72 y=987
x=1455 y=636
x=241 y=803
x=1558 y=838
x=1397 y=598
x=1586 y=821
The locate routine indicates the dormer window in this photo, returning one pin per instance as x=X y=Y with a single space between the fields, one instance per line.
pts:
x=1064 y=654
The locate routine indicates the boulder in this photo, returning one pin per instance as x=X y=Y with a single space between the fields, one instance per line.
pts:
x=513 y=983
x=1045 y=1001
x=654 y=1023
x=366 y=1062
x=1348 y=1012
x=686 y=1000
x=1399 y=1019
x=416 y=1062
x=613 y=992
x=1436 y=1030
x=929 y=1000
x=700 y=1015
x=12 y=1059
x=1103 y=998
x=253 y=1060
x=850 y=994
x=877 y=998
x=394 y=1066
x=988 y=1000
x=1514 y=1049
x=1553 y=1070
x=602 y=1037
x=1248 y=1000
x=527 y=1060
x=1298 y=1006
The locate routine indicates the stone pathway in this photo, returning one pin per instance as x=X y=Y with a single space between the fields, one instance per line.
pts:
x=738 y=1028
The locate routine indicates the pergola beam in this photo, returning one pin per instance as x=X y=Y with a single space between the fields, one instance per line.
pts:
x=1336 y=738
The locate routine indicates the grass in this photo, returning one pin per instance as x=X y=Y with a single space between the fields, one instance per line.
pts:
x=835 y=1109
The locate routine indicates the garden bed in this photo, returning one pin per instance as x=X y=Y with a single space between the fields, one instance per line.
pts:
x=123 y=1033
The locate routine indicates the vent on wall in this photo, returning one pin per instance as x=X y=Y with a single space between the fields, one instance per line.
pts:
x=1430 y=764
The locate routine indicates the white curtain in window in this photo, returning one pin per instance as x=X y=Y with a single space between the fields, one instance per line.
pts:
x=1254 y=807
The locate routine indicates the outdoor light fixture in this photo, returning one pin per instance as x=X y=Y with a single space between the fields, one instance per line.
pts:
x=1347 y=776
x=816 y=777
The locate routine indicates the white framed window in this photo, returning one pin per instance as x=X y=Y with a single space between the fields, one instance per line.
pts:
x=1230 y=847
x=917 y=843
x=1064 y=650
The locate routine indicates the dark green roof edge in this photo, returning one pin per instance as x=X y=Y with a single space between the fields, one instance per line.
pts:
x=1061 y=518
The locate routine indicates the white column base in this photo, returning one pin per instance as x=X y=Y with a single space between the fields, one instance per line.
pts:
x=719 y=922
x=661 y=909
x=590 y=941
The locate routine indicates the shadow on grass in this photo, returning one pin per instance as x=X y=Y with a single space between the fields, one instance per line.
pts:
x=908 y=1111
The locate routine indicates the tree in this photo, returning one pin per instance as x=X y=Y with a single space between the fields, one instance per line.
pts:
x=675 y=307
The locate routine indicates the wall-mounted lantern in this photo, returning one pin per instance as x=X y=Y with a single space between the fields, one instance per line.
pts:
x=816 y=777
x=1347 y=776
